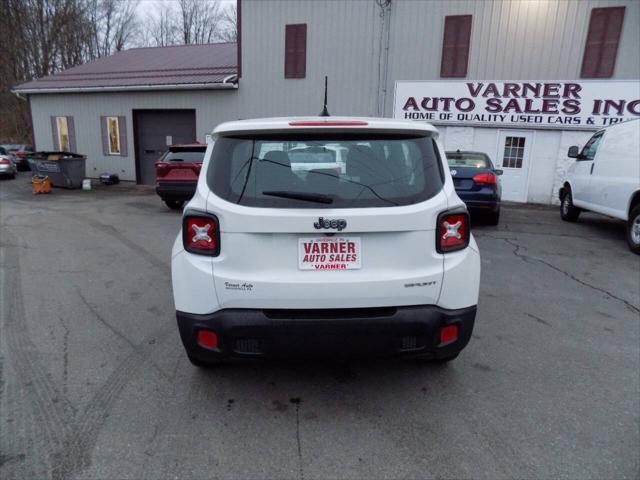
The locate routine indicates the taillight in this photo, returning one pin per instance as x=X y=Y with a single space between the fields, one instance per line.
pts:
x=4 y=161
x=489 y=178
x=452 y=231
x=201 y=234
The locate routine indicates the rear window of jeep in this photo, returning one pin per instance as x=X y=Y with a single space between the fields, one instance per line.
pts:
x=325 y=170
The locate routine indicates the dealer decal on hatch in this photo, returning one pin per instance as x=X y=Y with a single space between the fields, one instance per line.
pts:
x=243 y=287
x=329 y=253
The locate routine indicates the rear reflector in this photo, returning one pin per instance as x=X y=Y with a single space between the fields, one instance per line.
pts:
x=448 y=334
x=201 y=234
x=328 y=123
x=488 y=178
x=452 y=231
x=207 y=339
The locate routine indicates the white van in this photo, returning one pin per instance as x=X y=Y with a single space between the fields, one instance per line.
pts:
x=375 y=258
x=606 y=178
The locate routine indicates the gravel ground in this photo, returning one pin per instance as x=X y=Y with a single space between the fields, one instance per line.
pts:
x=94 y=383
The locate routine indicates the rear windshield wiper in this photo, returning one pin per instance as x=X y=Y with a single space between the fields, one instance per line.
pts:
x=307 y=197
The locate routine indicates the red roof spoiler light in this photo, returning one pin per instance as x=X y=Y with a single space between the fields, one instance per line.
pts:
x=328 y=123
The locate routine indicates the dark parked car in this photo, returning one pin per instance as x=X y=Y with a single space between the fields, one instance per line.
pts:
x=177 y=173
x=20 y=152
x=477 y=183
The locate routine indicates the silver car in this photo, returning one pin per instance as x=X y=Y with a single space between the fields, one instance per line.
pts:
x=7 y=164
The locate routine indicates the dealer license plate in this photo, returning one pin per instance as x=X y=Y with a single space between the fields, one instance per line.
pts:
x=329 y=253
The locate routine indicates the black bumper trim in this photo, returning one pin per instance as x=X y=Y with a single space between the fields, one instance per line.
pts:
x=176 y=190
x=398 y=331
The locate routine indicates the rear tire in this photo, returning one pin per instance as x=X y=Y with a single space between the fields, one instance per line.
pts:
x=568 y=212
x=174 y=204
x=633 y=230
x=203 y=364
x=493 y=218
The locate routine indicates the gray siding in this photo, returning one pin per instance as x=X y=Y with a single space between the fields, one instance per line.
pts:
x=212 y=107
x=510 y=40
x=342 y=42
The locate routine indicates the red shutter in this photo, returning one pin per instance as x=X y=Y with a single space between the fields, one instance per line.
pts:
x=295 y=51
x=601 y=47
x=455 y=46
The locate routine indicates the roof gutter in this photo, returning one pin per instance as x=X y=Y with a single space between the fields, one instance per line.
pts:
x=225 y=85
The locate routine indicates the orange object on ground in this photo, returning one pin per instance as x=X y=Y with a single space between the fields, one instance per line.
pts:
x=41 y=184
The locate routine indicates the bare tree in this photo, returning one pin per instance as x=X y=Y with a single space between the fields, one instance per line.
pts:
x=47 y=36
x=229 y=30
x=52 y=35
x=126 y=26
x=113 y=24
x=161 y=28
x=200 y=20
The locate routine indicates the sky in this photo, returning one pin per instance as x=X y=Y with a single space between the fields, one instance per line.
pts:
x=147 y=6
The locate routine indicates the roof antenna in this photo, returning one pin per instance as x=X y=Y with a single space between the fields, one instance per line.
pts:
x=325 y=112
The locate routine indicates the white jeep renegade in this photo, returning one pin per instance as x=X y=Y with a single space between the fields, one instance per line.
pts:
x=370 y=253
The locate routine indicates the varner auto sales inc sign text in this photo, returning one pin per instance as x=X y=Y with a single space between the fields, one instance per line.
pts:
x=544 y=104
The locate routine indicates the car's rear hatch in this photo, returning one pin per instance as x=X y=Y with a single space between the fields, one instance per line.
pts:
x=180 y=164
x=322 y=238
x=465 y=166
x=463 y=178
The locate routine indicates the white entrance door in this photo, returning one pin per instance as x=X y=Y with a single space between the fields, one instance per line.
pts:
x=514 y=147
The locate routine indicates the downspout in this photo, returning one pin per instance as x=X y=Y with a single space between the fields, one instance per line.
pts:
x=383 y=57
x=33 y=134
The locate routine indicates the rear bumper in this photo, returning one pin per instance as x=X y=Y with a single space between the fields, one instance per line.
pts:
x=480 y=201
x=176 y=190
x=392 y=331
x=6 y=170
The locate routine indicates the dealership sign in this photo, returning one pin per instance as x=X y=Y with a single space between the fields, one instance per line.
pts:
x=549 y=104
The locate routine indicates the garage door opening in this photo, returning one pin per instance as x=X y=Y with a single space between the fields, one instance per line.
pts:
x=154 y=131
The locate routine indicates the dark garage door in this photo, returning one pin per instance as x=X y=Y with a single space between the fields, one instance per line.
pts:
x=154 y=129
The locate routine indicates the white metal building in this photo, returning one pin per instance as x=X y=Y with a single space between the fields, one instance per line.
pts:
x=521 y=80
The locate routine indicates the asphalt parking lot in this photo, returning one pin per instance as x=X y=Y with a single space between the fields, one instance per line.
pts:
x=94 y=383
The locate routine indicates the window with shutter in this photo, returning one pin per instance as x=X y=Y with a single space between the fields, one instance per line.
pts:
x=62 y=127
x=455 y=46
x=295 y=51
x=601 y=47
x=114 y=135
